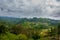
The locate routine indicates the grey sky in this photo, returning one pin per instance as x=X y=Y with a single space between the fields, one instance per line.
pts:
x=30 y=8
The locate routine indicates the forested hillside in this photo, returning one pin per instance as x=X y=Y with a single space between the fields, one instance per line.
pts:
x=28 y=28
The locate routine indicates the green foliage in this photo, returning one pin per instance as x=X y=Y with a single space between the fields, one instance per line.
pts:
x=3 y=37
x=52 y=32
x=3 y=29
x=22 y=37
x=28 y=29
x=44 y=33
x=16 y=29
x=7 y=36
x=11 y=36
x=58 y=28
x=35 y=36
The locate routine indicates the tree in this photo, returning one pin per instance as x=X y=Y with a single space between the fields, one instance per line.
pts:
x=58 y=28
x=17 y=29
x=3 y=29
x=58 y=31
x=36 y=35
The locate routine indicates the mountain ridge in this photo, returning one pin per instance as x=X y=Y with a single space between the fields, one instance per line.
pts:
x=21 y=20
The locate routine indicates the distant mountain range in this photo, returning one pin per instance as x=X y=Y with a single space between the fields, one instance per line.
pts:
x=21 y=20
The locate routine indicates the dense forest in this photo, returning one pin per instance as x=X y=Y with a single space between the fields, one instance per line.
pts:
x=29 y=29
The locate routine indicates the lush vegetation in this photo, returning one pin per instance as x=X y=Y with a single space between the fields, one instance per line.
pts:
x=29 y=29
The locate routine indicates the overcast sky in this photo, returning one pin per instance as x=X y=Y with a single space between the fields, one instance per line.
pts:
x=30 y=8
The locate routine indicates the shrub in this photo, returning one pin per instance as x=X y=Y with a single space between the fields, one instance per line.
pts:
x=3 y=37
x=11 y=36
x=7 y=36
x=22 y=37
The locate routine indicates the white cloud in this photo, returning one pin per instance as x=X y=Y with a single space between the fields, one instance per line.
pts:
x=29 y=8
